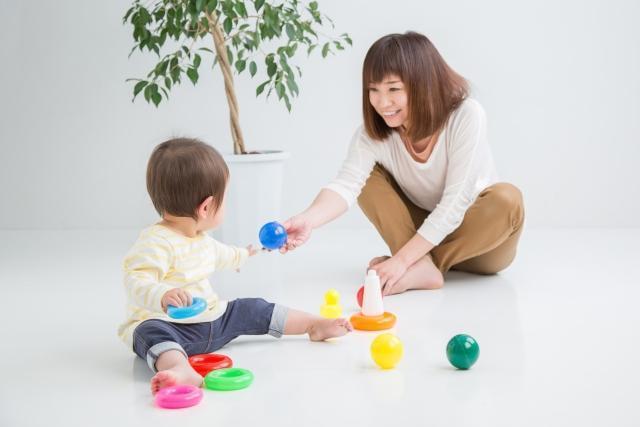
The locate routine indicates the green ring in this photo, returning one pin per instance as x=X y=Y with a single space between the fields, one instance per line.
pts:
x=228 y=379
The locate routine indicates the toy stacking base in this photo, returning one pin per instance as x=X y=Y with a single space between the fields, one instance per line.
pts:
x=373 y=323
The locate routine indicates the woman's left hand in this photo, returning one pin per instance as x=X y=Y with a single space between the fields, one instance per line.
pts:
x=389 y=272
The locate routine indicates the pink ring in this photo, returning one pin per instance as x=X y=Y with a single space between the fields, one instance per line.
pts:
x=178 y=396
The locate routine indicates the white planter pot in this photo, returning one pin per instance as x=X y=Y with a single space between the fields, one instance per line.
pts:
x=254 y=195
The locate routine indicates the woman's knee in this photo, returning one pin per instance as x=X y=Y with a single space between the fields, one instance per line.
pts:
x=506 y=195
x=506 y=198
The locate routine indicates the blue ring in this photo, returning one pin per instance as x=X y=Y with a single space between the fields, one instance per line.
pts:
x=198 y=306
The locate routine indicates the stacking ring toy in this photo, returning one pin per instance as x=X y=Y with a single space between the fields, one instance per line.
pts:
x=273 y=235
x=178 y=396
x=205 y=363
x=228 y=379
x=373 y=323
x=197 y=306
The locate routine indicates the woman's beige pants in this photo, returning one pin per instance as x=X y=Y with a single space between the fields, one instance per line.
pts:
x=485 y=242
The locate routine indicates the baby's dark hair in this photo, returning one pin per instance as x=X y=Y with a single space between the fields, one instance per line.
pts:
x=182 y=173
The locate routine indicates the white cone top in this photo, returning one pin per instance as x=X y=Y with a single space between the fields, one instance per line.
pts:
x=372 y=298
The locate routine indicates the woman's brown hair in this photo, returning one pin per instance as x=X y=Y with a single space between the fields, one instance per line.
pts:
x=434 y=90
x=182 y=173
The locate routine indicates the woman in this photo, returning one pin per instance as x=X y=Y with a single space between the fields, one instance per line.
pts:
x=421 y=169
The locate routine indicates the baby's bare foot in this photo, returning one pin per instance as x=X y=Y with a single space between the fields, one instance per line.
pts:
x=173 y=377
x=323 y=329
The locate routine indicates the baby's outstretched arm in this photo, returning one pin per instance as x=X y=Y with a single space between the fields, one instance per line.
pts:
x=230 y=257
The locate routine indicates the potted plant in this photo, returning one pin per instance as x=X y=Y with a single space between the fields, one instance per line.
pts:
x=236 y=35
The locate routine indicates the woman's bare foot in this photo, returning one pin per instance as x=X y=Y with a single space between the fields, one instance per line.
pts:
x=378 y=260
x=322 y=329
x=423 y=274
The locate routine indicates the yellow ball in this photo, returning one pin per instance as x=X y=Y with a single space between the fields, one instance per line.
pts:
x=386 y=350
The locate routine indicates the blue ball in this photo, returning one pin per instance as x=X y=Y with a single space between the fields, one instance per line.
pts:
x=273 y=235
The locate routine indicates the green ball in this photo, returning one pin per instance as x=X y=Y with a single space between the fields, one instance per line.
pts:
x=463 y=351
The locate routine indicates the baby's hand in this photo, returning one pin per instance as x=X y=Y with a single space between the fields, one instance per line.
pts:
x=177 y=298
x=252 y=250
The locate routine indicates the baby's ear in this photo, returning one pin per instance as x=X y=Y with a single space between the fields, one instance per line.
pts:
x=205 y=208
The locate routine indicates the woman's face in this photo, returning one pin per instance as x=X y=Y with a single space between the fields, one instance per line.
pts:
x=389 y=99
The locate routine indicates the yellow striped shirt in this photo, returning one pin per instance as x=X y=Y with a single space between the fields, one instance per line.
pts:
x=161 y=260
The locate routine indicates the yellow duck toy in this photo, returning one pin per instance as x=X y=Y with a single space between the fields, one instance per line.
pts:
x=331 y=309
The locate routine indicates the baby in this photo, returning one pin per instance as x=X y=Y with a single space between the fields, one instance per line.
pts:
x=171 y=261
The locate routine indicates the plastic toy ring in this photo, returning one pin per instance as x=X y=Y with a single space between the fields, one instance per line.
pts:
x=228 y=379
x=178 y=396
x=373 y=323
x=198 y=306
x=205 y=363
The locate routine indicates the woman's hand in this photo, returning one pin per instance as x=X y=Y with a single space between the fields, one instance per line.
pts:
x=298 y=232
x=327 y=206
x=177 y=298
x=389 y=272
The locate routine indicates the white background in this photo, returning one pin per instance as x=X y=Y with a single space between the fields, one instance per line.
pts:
x=557 y=330
x=559 y=81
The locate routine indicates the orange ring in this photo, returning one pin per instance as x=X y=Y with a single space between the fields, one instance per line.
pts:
x=373 y=323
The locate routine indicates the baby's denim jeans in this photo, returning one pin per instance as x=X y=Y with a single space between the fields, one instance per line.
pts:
x=244 y=316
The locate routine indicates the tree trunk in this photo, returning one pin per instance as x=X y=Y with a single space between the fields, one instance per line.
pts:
x=223 y=60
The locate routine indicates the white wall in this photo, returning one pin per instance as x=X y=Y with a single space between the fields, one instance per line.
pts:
x=559 y=80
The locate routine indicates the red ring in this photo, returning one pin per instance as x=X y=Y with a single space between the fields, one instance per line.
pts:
x=360 y=296
x=205 y=363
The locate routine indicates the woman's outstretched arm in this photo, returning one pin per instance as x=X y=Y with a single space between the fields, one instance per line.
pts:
x=327 y=206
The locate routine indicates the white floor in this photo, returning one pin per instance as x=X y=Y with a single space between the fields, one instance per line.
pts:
x=558 y=332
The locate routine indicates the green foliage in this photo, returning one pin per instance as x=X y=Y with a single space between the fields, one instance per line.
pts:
x=185 y=28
